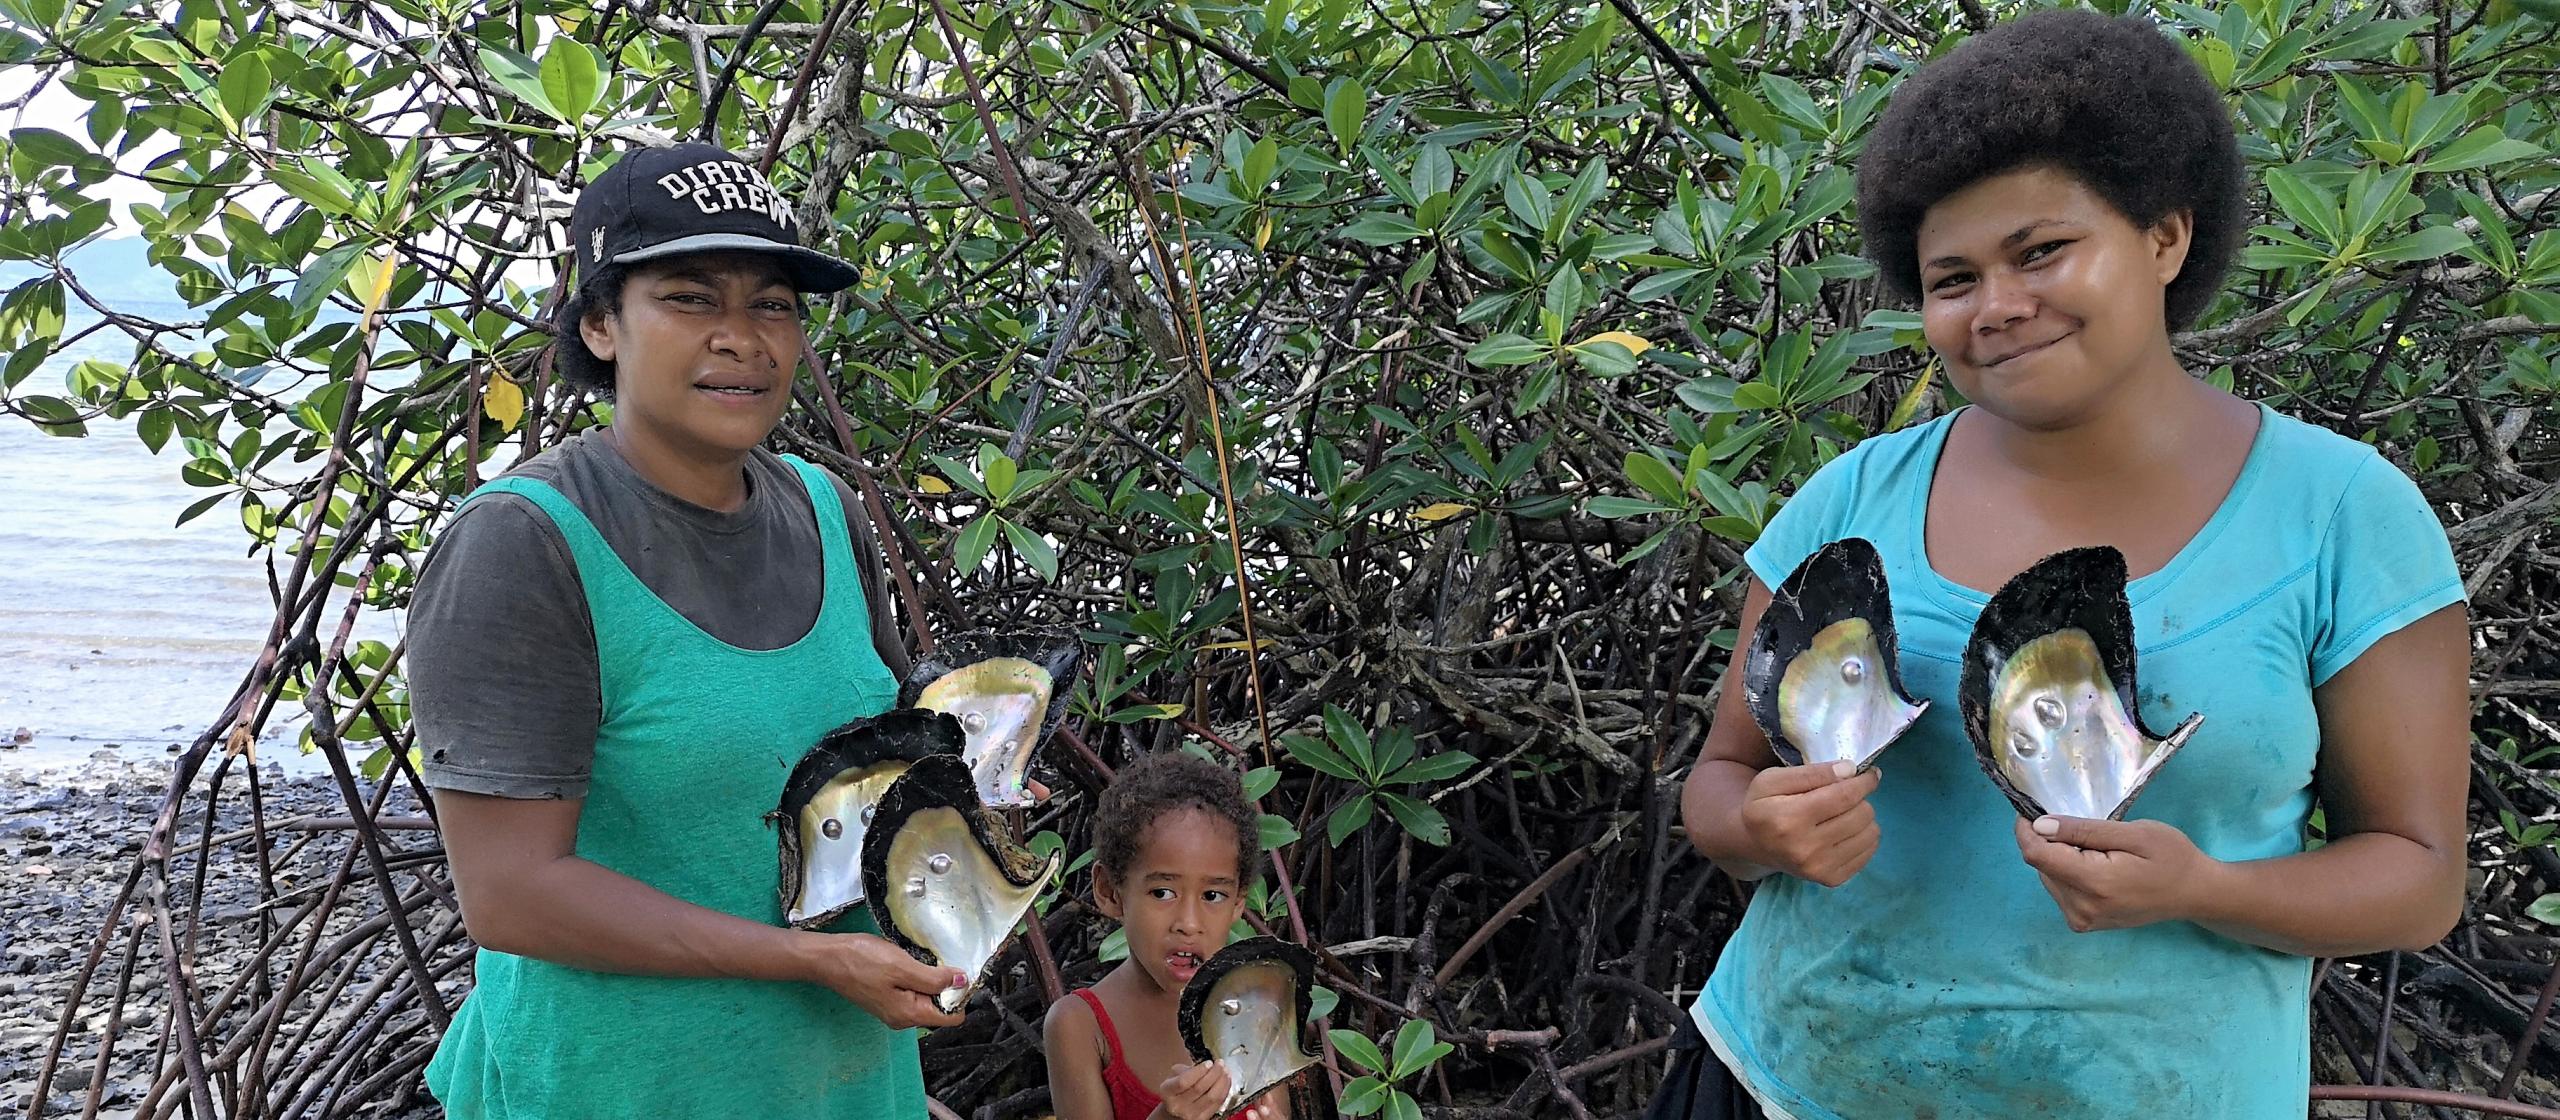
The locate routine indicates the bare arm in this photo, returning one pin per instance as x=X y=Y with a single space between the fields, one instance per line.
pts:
x=1734 y=753
x=1753 y=816
x=525 y=891
x=2395 y=776
x=1073 y=1047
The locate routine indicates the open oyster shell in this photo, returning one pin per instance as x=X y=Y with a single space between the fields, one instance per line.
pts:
x=2048 y=691
x=939 y=873
x=1009 y=692
x=1823 y=678
x=830 y=799
x=1248 y=1007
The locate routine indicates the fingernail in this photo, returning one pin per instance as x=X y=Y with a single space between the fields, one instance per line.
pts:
x=2047 y=826
x=1844 y=769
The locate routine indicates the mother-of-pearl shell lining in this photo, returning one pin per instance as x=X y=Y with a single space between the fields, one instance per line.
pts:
x=1000 y=703
x=1835 y=702
x=946 y=883
x=2061 y=734
x=831 y=830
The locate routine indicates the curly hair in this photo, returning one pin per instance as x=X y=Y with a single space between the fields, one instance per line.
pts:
x=599 y=291
x=1160 y=784
x=2111 y=101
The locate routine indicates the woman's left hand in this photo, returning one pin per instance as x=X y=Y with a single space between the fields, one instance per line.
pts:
x=2116 y=874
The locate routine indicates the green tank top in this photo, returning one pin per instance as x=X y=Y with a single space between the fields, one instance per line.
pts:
x=697 y=737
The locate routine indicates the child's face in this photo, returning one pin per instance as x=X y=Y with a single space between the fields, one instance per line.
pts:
x=1180 y=898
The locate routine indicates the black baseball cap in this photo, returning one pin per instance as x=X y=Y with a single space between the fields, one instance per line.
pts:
x=694 y=198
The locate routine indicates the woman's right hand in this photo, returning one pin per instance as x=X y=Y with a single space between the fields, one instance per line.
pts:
x=1196 y=1092
x=1812 y=822
x=895 y=988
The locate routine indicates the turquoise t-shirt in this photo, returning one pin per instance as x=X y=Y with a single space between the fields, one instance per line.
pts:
x=1942 y=981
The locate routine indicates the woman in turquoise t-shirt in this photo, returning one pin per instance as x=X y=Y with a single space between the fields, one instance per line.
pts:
x=2059 y=194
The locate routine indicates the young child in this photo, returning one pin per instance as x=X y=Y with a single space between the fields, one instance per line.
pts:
x=1175 y=843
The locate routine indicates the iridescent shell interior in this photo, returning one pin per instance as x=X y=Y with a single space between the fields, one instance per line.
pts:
x=2048 y=691
x=1000 y=703
x=831 y=798
x=943 y=879
x=831 y=828
x=1009 y=690
x=1247 y=1007
x=2061 y=734
x=1821 y=677
x=1834 y=703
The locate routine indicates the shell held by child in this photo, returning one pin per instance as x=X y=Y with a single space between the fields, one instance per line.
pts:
x=1248 y=1007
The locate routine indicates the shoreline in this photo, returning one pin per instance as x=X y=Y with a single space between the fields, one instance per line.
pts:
x=73 y=817
x=48 y=754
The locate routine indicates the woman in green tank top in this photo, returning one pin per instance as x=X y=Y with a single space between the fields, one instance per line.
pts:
x=633 y=958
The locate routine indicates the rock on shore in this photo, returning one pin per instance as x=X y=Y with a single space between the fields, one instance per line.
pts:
x=69 y=836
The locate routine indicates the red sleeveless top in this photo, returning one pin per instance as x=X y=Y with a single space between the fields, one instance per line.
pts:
x=1131 y=1098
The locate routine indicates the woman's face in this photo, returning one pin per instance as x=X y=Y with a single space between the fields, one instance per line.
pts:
x=2042 y=298
x=704 y=350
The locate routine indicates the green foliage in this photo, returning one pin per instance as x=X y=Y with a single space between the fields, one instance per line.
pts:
x=1415 y=1050
x=1513 y=330
x=1346 y=751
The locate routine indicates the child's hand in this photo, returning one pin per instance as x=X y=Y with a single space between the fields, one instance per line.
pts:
x=1271 y=1105
x=2115 y=874
x=1812 y=822
x=1196 y=1092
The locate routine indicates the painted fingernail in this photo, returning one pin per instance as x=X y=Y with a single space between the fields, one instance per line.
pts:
x=2047 y=826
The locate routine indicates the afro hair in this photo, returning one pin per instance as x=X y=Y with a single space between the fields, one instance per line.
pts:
x=1161 y=784
x=2110 y=101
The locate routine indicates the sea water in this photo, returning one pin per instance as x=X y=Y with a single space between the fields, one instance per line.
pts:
x=119 y=628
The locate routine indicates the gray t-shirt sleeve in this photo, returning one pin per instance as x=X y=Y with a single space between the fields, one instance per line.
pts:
x=886 y=635
x=503 y=681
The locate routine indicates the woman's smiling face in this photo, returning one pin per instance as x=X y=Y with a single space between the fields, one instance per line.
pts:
x=2040 y=296
x=704 y=350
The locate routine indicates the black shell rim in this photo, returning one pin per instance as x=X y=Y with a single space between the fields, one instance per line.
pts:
x=1251 y=950
x=1843 y=579
x=938 y=782
x=900 y=733
x=1056 y=651
x=2080 y=588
